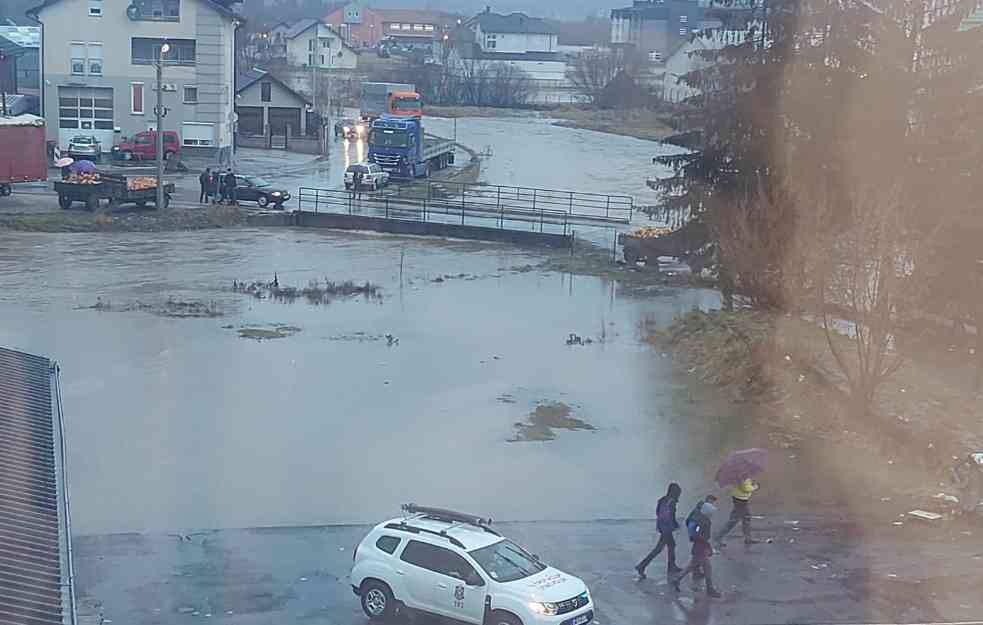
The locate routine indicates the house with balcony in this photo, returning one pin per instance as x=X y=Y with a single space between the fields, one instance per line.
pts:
x=98 y=69
x=658 y=28
x=528 y=43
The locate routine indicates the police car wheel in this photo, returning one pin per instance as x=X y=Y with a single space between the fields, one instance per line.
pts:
x=504 y=618
x=377 y=601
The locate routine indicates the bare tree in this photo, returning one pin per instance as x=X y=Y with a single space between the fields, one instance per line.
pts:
x=865 y=291
x=509 y=86
x=592 y=71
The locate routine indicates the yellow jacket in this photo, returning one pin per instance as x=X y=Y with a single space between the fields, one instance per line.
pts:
x=744 y=490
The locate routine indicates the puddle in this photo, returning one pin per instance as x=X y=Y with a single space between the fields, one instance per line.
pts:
x=263 y=334
x=176 y=309
x=316 y=292
x=547 y=417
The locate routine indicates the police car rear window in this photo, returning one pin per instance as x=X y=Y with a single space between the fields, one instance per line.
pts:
x=387 y=543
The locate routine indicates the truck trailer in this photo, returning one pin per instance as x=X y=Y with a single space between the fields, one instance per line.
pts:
x=23 y=151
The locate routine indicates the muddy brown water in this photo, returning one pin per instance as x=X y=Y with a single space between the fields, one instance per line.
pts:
x=180 y=423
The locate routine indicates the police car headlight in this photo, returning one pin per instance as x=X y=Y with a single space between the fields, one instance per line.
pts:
x=543 y=607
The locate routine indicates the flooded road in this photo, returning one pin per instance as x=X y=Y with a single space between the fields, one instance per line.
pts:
x=181 y=423
x=527 y=152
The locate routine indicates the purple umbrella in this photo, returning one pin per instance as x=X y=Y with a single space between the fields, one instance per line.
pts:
x=84 y=167
x=741 y=465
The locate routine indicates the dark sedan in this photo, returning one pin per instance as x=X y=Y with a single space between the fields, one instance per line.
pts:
x=250 y=189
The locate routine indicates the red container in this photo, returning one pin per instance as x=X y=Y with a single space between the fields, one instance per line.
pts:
x=23 y=152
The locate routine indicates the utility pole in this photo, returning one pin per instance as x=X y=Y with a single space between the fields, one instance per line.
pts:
x=3 y=83
x=160 y=112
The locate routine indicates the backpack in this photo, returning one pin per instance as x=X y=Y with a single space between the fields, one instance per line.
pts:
x=693 y=522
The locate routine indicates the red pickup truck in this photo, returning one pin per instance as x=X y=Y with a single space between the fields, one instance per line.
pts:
x=23 y=152
x=143 y=146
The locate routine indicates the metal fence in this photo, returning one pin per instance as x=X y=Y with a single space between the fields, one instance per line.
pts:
x=502 y=204
x=419 y=208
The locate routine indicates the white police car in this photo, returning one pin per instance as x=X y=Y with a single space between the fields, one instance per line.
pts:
x=455 y=565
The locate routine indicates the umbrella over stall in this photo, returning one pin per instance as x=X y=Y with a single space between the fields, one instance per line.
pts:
x=740 y=465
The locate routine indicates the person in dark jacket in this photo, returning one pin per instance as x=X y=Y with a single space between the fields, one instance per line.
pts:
x=230 y=187
x=700 y=533
x=214 y=186
x=665 y=520
x=203 y=183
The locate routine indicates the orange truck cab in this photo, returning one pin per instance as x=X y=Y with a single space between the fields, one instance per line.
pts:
x=405 y=104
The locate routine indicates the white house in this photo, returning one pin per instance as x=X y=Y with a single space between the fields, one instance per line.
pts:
x=312 y=43
x=688 y=59
x=98 y=72
x=528 y=43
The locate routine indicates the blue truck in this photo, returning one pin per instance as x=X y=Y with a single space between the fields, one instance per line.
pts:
x=401 y=147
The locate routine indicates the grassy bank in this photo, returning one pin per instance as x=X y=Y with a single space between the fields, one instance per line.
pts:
x=142 y=221
x=781 y=365
x=639 y=123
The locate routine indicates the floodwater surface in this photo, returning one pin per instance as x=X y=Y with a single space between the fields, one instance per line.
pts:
x=366 y=402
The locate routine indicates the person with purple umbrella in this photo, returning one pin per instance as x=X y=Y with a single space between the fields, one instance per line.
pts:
x=736 y=471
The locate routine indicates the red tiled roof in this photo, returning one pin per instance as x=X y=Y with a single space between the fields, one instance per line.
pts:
x=413 y=16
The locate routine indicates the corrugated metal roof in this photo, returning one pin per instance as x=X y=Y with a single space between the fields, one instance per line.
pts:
x=35 y=585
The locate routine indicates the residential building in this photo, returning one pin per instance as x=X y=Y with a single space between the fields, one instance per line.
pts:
x=362 y=26
x=687 y=58
x=312 y=43
x=264 y=104
x=527 y=43
x=657 y=28
x=99 y=77
x=23 y=43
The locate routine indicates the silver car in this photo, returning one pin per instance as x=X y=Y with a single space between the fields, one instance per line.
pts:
x=85 y=147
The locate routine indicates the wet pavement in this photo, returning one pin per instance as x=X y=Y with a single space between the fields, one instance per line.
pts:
x=180 y=422
x=299 y=575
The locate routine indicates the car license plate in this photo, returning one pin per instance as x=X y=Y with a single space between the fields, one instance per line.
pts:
x=580 y=620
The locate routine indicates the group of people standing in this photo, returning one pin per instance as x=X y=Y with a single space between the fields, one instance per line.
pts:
x=698 y=528
x=217 y=187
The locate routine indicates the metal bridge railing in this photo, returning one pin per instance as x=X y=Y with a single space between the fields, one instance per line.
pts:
x=438 y=209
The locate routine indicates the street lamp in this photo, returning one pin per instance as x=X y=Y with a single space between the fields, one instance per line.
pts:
x=160 y=112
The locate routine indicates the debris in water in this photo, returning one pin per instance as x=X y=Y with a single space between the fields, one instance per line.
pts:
x=177 y=309
x=316 y=292
x=261 y=334
x=924 y=515
x=391 y=340
x=544 y=419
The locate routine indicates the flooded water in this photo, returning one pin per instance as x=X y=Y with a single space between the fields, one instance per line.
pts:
x=182 y=423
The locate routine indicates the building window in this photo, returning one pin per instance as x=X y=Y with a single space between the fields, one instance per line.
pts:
x=310 y=44
x=490 y=42
x=146 y=50
x=191 y=95
x=322 y=59
x=266 y=92
x=325 y=43
x=417 y=26
x=428 y=27
x=682 y=32
x=85 y=110
x=136 y=98
x=683 y=19
x=95 y=8
x=155 y=10
x=95 y=59
x=406 y=26
x=310 y=60
x=78 y=59
x=197 y=134
x=86 y=58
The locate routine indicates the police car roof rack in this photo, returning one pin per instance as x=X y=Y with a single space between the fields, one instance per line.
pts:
x=406 y=527
x=456 y=519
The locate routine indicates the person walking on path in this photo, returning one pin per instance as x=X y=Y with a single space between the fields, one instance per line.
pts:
x=230 y=185
x=203 y=183
x=665 y=519
x=699 y=528
x=740 y=513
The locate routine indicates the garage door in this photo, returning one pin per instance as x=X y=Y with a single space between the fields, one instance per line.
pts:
x=281 y=117
x=85 y=111
x=250 y=120
x=197 y=134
